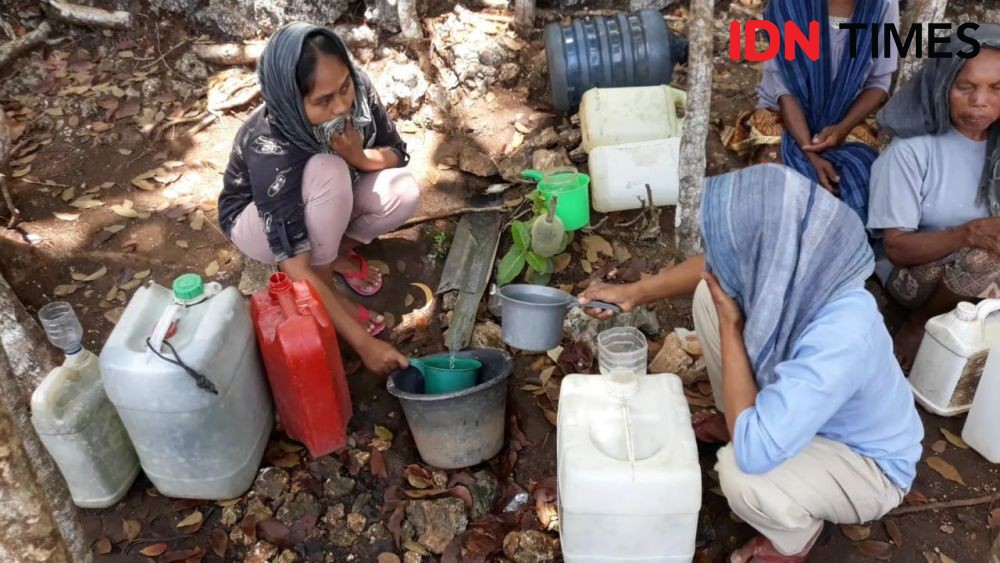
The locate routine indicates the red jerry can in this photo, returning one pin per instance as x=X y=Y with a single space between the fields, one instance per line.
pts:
x=302 y=359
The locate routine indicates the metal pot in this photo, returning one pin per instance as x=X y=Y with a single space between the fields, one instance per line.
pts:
x=533 y=315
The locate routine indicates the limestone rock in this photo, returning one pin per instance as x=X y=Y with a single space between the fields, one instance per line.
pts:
x=261 y=552
x=437 y=522
x=338 y=486
x=485 y=492
x=304 y=504
x=356 y=522
x=342 y=536
x=473 y=161
x=287 y=556
x=412 y=557
x=487 y=335
x=191 y=67
x=530 y=546
x=334 y=514
x=636 y=5
x=271 y=482
x=253 y=18
x=694 y=373
x=671 y=358
x=545 y=159
x=384 y=14
x=388 y=558
x=231 y=515
x=401 y=87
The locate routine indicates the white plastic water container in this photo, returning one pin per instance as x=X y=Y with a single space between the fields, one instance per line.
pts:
x=950 y=360
x=619 y=174
x=613 y=116
x=982 y=425
x=79 y=427
x=628 y=473
x=183 y=371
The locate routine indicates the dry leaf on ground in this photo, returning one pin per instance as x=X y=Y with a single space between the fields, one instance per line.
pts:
x=154 y=550
x=91 y=277
x=993 y=520
x=219 y=541
x=194 y=518
x=212 y=269
x=64 y=290
x=894 y=532
x=594 y=245
x=939 y=447
x=955 y=440
x=876 y=549
x=102 y=546
x=945 y=469
x=65 y=216
x=131 y=529
x=855 y=532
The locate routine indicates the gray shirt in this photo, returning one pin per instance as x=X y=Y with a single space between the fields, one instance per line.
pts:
x=772 y=85
x=926 y=183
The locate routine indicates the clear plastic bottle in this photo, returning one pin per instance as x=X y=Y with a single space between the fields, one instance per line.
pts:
x=75 y=420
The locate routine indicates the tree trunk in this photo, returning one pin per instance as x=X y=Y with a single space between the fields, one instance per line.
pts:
x=524 y=14
x=409 y=20
x=692 y=155
x=920 y=12
x=27 y=350
x=37 y=516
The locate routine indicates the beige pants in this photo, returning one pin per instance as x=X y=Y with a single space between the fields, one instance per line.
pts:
x=825 y=481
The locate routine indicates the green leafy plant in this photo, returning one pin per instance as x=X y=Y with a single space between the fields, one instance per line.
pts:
x=521 y=256
x=440 y=245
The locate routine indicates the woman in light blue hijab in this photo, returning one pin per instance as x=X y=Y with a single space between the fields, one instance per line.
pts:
x=820 y=422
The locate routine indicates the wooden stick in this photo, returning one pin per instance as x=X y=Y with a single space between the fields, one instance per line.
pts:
x=943 y=505
x=229 y=54
x=13 y=49
x=445 y=214
x=87 y=16
x=164 y=55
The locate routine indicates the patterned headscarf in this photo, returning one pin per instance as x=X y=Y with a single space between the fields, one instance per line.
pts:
x=283 y=99
x=782 y=247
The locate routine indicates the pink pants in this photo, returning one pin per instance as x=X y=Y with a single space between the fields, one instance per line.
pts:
x=380 y=202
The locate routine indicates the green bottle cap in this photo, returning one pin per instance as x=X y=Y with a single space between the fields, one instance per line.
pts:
x=188 y=287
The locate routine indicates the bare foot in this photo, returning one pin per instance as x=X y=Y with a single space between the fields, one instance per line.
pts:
x=907 y=342
x=710 y=427
x=344 y=264
x=761 y=550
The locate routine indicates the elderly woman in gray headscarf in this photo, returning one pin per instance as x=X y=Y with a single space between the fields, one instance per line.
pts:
x=935 y=192
x=316 y=172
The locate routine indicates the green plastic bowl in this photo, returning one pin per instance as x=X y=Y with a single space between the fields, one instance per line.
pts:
x=444 y=374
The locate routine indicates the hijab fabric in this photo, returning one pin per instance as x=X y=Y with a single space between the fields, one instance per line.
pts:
x=283 y=100
x=824 y=101
x=782 y=247
x=921 y=107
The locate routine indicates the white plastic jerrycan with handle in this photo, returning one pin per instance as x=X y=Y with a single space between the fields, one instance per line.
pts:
x=619 y=174
x=77 y=423
x=950 y=360
x=982 y=427
x=614 y=116
x=182 y=369
x=628 y=474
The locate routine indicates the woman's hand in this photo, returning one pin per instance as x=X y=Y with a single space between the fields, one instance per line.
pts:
x=984 y=233
x=348 y=144
x=380 y=357
x=830 y=137
x=825 y=172
x=726 y=307
x=621 y=295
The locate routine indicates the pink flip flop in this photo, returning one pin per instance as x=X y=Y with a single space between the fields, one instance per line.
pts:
x=356 y=280
x=364 y=317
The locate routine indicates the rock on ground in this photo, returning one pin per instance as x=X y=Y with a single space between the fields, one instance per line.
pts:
x=252 y=18
x=191 y=67
x=271 y=482
x=473 y=161
x=338 y=486
x=485 y=492
x=412 y=557
x=262 y=552
x=383 y=14
x=437 y=522
x=401 y=87
x=636 y=5
x=671 y=358
x=530 y=546
x=545 y=159
x=304 y=504
x=487 y=334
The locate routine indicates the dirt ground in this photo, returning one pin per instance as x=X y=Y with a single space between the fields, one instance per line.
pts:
x=99 y=151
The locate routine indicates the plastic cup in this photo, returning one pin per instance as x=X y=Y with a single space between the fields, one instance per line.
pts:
x=445 y=374
x=573 y=189
x=622 y=353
